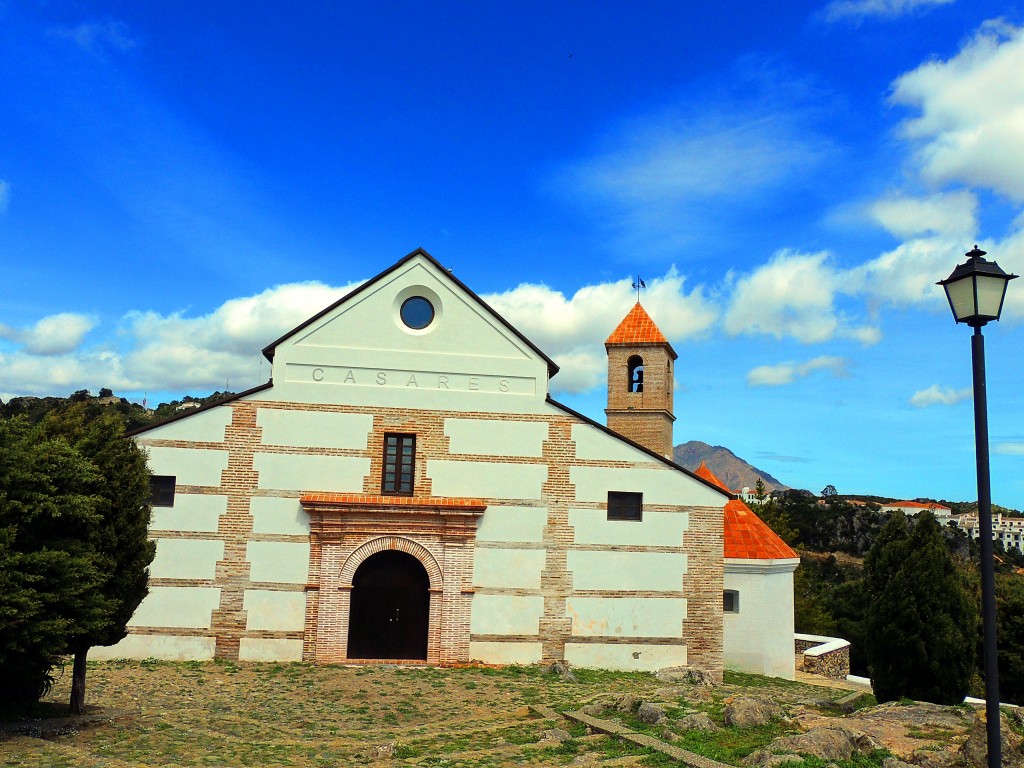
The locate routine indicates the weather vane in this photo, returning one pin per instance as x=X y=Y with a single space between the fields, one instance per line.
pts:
x=637 y=286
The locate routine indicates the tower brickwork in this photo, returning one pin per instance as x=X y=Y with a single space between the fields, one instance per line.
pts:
x=641 y=368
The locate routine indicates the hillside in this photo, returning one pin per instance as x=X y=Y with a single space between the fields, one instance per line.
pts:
x=35 y=408
x=730 y=468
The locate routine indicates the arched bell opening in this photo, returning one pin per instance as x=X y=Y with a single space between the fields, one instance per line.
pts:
x=635 y=374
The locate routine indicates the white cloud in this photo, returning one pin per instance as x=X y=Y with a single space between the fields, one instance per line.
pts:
x=572 y=330
x=951 y=213
x=936 y=395
x=856 y=10
x=163 y=352
x=970 y=126
x=787 y=373
x=5 y=195
x=907 y=274
x=176 y=352
x=1009 y=254
x=1009 y=449
x=53 y=335
x=95 y=35
x=794 y=295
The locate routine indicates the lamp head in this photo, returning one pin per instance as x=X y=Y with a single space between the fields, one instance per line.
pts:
x=976 y=289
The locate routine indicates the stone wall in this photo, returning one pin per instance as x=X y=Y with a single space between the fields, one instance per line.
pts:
x=825 y=656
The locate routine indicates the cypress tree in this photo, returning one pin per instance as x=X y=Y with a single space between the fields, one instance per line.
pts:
x=920 y=622
x=120 y=537
x=49 y=575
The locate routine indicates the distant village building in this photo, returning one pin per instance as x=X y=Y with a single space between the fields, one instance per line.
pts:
x=404 y=488
x=941 y=512
x=1005 y=529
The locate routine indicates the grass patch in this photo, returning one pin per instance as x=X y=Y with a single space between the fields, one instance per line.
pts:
x=314 y=716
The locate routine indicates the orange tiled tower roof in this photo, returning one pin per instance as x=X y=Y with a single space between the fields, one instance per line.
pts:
x=746 y=536
x=637 y=328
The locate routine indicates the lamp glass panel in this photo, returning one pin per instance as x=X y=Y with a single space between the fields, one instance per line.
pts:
x=990 y=295
x=961 y=298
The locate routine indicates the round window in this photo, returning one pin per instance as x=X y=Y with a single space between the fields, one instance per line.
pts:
x=417 y=312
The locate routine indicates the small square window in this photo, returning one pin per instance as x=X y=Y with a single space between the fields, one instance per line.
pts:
x=625 y=505
x=161 y=490
x=731 y=601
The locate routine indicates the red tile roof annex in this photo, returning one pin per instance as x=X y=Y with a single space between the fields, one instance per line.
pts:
x=745 y=535
x=748 y=537
x=637 y=328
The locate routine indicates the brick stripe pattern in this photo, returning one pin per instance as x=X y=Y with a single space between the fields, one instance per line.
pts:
x=347 y=528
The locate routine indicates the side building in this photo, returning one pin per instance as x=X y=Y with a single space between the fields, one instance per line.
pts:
x=758 y=596
x=405 y=488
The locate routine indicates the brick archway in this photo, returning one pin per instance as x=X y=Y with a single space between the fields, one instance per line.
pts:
x=347 y=529
x=398 y=544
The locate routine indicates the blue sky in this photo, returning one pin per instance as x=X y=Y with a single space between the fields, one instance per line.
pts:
x=181 y=184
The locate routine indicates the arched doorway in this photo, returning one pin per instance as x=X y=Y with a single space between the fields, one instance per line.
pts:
x=390 y=608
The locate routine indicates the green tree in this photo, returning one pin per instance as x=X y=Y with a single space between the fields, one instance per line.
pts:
x=760 y=492
x=119 y=539
x=49 y=574
x=1010 y=631
x=920 y=623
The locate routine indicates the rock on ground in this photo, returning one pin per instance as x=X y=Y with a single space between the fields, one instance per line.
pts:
x=649 y=713
x=975 y=749
x=557 y=735
x=697 y=722
x=829 y=742
x=561 y=668
x=626 y=703
x=744 y=711
x=691 y=675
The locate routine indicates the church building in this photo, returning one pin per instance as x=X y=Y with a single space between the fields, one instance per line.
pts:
x=404 y=488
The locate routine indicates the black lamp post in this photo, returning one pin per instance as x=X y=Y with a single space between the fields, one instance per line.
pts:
x=975 y=291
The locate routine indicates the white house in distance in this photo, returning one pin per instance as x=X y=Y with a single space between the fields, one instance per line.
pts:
x=942 y=513
x=404 y=488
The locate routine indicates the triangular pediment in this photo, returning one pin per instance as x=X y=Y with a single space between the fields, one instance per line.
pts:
x=453 y=332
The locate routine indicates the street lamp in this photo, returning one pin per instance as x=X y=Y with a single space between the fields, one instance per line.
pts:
x=975 y=292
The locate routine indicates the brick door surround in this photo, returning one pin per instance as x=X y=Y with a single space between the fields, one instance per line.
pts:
x=346 y=529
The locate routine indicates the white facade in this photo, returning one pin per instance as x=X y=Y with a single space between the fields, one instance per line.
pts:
x=279 y=506
x=759 y=629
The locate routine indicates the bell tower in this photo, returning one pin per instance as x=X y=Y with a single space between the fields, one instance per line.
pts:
x=641 y=366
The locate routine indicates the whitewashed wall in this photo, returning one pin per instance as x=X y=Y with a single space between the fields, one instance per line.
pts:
x=759 y=638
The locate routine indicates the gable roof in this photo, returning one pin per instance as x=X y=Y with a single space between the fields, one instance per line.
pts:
x=445 y=273
x=637 y=327
x=745 y=535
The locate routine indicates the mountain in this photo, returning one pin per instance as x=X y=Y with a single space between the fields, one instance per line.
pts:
x=730 y=468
